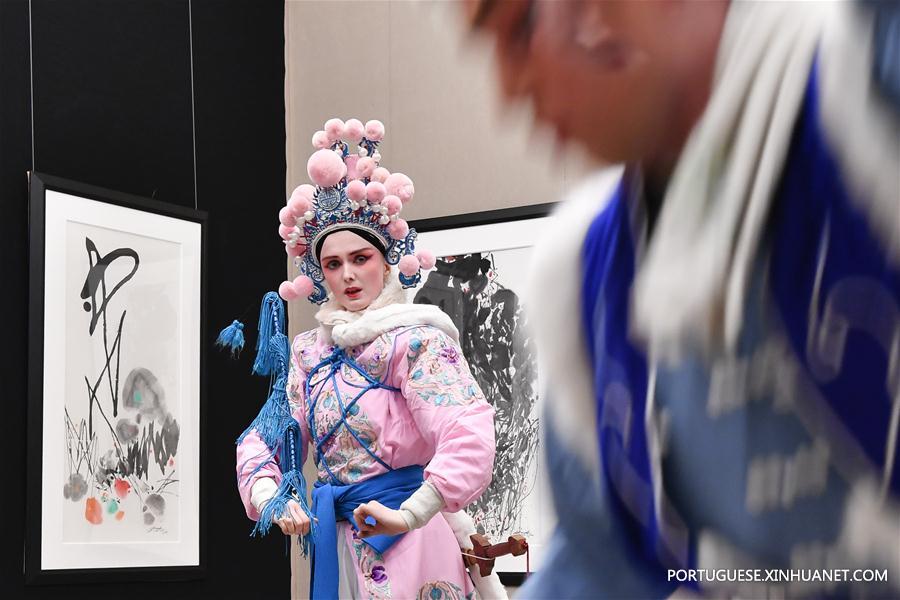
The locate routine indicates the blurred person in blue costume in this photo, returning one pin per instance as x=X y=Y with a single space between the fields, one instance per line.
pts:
x=719 y=318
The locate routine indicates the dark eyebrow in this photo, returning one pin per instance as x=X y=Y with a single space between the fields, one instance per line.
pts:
x=327 y=258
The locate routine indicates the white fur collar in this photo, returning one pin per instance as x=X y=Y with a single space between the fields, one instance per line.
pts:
x=389 y=311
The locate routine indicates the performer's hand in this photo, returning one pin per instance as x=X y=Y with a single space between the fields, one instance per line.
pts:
x=294 y=521
x=387 y=520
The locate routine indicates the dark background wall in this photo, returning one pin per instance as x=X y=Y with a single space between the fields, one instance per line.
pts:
x=112 y=103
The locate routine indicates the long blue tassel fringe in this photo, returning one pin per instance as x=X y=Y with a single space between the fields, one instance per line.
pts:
x=275 y=424
x=271 y=322
x=273 y=418
x=292 y=487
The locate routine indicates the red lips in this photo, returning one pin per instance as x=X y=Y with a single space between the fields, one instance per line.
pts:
x=352 y=291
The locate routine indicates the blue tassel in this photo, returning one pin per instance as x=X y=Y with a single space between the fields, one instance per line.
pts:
x=279 y=355
x=274 y=417
x=232 y=338
x=274 y=424
x=263 y=463
x=289 y=489
x=292 y=487
x=271 y=322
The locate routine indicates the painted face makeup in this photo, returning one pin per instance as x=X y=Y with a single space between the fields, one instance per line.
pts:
x=354 y=269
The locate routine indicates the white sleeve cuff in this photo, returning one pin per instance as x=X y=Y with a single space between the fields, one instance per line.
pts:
x=421 y=506
x=263 y=490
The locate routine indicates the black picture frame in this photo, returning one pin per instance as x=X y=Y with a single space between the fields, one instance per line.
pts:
x=485 y=217
x=478 y=219
x=36 y=572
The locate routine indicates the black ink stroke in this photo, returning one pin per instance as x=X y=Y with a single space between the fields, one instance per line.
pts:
x=491 y=324
x=146 y=433
x=96 y=278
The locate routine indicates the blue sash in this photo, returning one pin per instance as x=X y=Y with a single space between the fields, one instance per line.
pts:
x=333 y=503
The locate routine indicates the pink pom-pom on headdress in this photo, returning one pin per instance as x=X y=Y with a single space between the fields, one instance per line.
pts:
x=380 y=175
x=365 y=166
x=287 y=292
x=285 y=231
x=375 y=192
x=303 y=285
x=326 y=168
x=409 y=265
x=320 y=140
x=335 y=129
x=298 y=206
x=331 y=165
x=350 y=160
x=399 y=229
x=393 y=204
x=286 y=217
x=401 y=186
x=374 y=130
x=356 y=190
x=426 y=258
x=304 y=190
x=354 y=131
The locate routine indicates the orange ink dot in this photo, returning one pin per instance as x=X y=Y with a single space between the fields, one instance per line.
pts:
x=92 y=511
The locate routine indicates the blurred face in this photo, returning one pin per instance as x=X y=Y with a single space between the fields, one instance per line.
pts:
x=597 y=72
x=354 y=269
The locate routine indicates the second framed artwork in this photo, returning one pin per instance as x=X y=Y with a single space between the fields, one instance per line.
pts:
x=479 y=279
x=117 y=299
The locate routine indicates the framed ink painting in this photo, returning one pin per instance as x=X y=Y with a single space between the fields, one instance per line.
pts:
x=115 y=384
x=481 y=270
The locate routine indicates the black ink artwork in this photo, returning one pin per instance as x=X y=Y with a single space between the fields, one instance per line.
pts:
x=491 y=326
x=121 y=458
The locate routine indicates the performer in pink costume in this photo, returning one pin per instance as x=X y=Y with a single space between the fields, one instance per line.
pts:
x=380 y=391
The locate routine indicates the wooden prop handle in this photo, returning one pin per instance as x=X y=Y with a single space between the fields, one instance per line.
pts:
x=485 y=553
